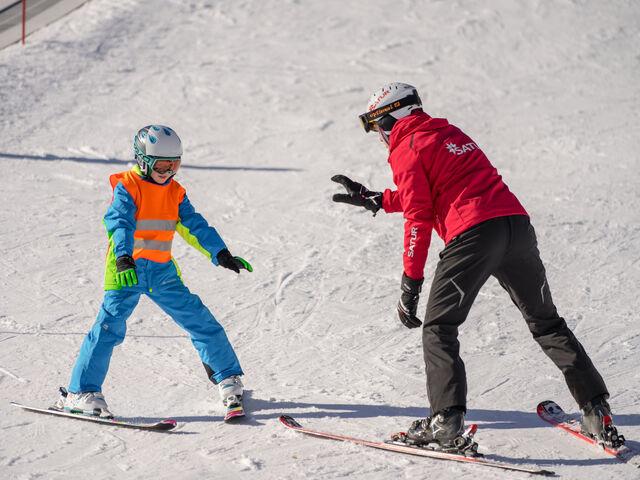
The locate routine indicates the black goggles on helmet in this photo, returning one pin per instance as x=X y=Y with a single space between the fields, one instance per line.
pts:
x=369 y=119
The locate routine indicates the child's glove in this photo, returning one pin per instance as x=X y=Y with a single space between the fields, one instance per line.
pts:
x=126 y=271
x=226 y=260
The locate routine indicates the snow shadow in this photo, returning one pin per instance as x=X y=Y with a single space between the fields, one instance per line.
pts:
x=494 y=419
x=119 y=161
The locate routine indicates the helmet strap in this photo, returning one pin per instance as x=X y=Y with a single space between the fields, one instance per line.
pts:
x=383 y=137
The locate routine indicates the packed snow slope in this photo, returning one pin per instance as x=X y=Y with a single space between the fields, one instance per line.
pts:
x=265 y=96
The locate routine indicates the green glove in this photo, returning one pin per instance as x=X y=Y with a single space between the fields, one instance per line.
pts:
x=246 y=265
x=226 y=260
x=126 y=271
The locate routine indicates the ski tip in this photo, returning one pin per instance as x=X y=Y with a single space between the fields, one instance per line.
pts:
x=233 y=416
x=20 y=405
x=288 y=421
x=162 y=426
x=234 y=412
x=549 y=406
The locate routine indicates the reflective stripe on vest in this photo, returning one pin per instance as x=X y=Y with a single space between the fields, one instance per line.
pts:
x=152 y=245
x=162 y=225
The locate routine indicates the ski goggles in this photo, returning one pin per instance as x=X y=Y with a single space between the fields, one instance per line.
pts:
x=370 y=119
x=166 y=165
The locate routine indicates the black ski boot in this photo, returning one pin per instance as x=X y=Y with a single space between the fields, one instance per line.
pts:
x=597 y=422
x=444 y=428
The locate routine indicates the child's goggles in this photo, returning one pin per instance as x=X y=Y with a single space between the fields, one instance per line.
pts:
x=165 y=165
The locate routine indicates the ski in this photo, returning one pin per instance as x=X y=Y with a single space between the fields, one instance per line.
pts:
x=234 y=409
x=162 y=426
x=398 y=447
x=553 y=413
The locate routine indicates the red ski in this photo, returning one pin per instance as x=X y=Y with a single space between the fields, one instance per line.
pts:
x=553 y=413
x=398 y=447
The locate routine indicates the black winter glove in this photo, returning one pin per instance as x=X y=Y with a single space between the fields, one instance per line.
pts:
x=408 y=304
x=357 y=194
x=226 y=260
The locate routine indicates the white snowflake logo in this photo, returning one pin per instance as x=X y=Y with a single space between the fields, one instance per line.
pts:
x=462 y=149
x=452 y=147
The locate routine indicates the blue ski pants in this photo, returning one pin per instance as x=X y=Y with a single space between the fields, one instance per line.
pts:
x=161 y=282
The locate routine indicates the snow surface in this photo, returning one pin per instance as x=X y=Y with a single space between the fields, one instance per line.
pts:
x=265 y=97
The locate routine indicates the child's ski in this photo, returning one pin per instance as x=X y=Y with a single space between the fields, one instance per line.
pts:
x=397 y=447
x=162 y=426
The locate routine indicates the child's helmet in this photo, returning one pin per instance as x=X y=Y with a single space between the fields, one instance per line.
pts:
x=153 y=143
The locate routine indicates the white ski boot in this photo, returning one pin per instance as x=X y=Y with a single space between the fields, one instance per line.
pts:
x=85 y=403
x=230 y=390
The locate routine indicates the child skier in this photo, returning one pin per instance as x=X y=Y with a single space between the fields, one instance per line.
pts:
x=148 y=206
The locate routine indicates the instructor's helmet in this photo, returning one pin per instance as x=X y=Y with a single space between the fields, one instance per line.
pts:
x=388 y=105
x=155 y=146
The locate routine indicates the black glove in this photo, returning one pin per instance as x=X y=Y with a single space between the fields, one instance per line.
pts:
x=126 y=271
x=226 y=260
x=408 y=304
x=357 y=194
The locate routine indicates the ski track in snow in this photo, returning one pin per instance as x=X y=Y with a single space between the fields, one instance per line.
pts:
x=265 y=97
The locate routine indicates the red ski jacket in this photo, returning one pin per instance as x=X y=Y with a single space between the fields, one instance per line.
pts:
x=444 y=182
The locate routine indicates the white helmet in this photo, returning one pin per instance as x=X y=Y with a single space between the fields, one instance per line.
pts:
x=389 y=104
x=153 y=143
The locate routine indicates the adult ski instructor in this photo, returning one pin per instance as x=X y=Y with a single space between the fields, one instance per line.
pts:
x=445 y=182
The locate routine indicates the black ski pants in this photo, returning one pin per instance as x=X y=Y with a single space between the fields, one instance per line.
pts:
x=505 y=247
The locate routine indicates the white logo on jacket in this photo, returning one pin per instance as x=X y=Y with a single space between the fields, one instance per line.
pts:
x=456 y=150
x=412 y=241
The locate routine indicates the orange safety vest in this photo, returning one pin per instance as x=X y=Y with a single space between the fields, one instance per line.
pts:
x=156 y=214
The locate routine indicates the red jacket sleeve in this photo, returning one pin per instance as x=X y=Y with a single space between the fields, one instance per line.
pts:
x=414 y=195
x=391 y=201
